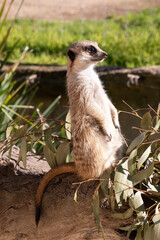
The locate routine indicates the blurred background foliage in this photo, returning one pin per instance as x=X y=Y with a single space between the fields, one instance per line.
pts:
x=131 y=40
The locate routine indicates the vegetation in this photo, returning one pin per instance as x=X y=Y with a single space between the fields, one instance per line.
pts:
x=136 y=179
x=131 y=40
x=16 y=95
x=137 y=176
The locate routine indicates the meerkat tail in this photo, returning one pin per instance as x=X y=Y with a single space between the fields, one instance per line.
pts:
x=65 y=168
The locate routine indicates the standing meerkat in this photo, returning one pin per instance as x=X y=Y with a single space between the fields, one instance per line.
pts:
x=97 y=142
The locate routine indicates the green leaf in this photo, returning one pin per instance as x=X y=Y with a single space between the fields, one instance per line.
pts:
x=154 y=193
x=51 y=107
x=21 y=106
x=7 y=114
x=63 y=133
x=62 y=152
x=138 y=202
x=48 y=138
x=152 y=232
x=132 y=162
x=133 y=227
x=23 y=151
x=69 y=158
x=123 y=183
x=68 y=126
x=2 y=8
x=126 y=228
x=156 y=218
x=154 y=136
x=96 y=208
x=144 y=157
x=146 y=122
x=19 y=133
x=139 y=234
x=137 y=141
x=48 y=154
x=127 y=214
x=9 y=130
x=76 y=192
x=157 y=126
x=140 y=176
x=17 y=114
x=104 y=185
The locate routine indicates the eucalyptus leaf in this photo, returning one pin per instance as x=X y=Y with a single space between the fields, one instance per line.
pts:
x=62 y=152
x=48 y=154
x=137 y=141
x=157 y=126
x=69 y=158
x=63 y=133
x=75 y=196
x=96 y=208
x=154 y=136
x=9 y=131
x=48 y=138
x=123 y=183
x=152 y=232
x=140 y=176
x=156 y=219
x=138 y=202
x=19 y=133
x=144 y=157
x=127 y=214
x=23 y=151
x=126 y=228
x=146 y=122
x=134 y=226
x=139 y=234
x=104 y=185
x=132 y=162
x=68 y=126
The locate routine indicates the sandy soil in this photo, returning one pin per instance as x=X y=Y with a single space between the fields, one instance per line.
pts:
x=78 y=9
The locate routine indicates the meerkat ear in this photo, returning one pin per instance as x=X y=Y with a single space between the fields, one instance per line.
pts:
x=71 y=55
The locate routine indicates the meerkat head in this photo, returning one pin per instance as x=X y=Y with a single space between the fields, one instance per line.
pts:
x=85 y=53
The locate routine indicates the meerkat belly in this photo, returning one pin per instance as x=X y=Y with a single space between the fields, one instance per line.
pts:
x=89 y=153
x=101 y=99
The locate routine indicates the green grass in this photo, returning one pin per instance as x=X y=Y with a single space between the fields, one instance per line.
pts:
x=131 y=41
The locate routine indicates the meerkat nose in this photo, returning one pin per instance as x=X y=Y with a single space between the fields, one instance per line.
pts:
x=105 y=54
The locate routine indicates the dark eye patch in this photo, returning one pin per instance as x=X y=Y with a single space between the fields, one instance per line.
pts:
x=91 y=49
x=71 y=55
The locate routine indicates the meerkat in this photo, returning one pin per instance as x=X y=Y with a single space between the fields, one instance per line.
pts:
x=97 y=142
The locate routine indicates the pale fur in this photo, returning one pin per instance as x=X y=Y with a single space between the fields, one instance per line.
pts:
x=93 y=117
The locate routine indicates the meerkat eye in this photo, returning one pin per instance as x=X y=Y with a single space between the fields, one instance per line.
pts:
x=91 y=49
